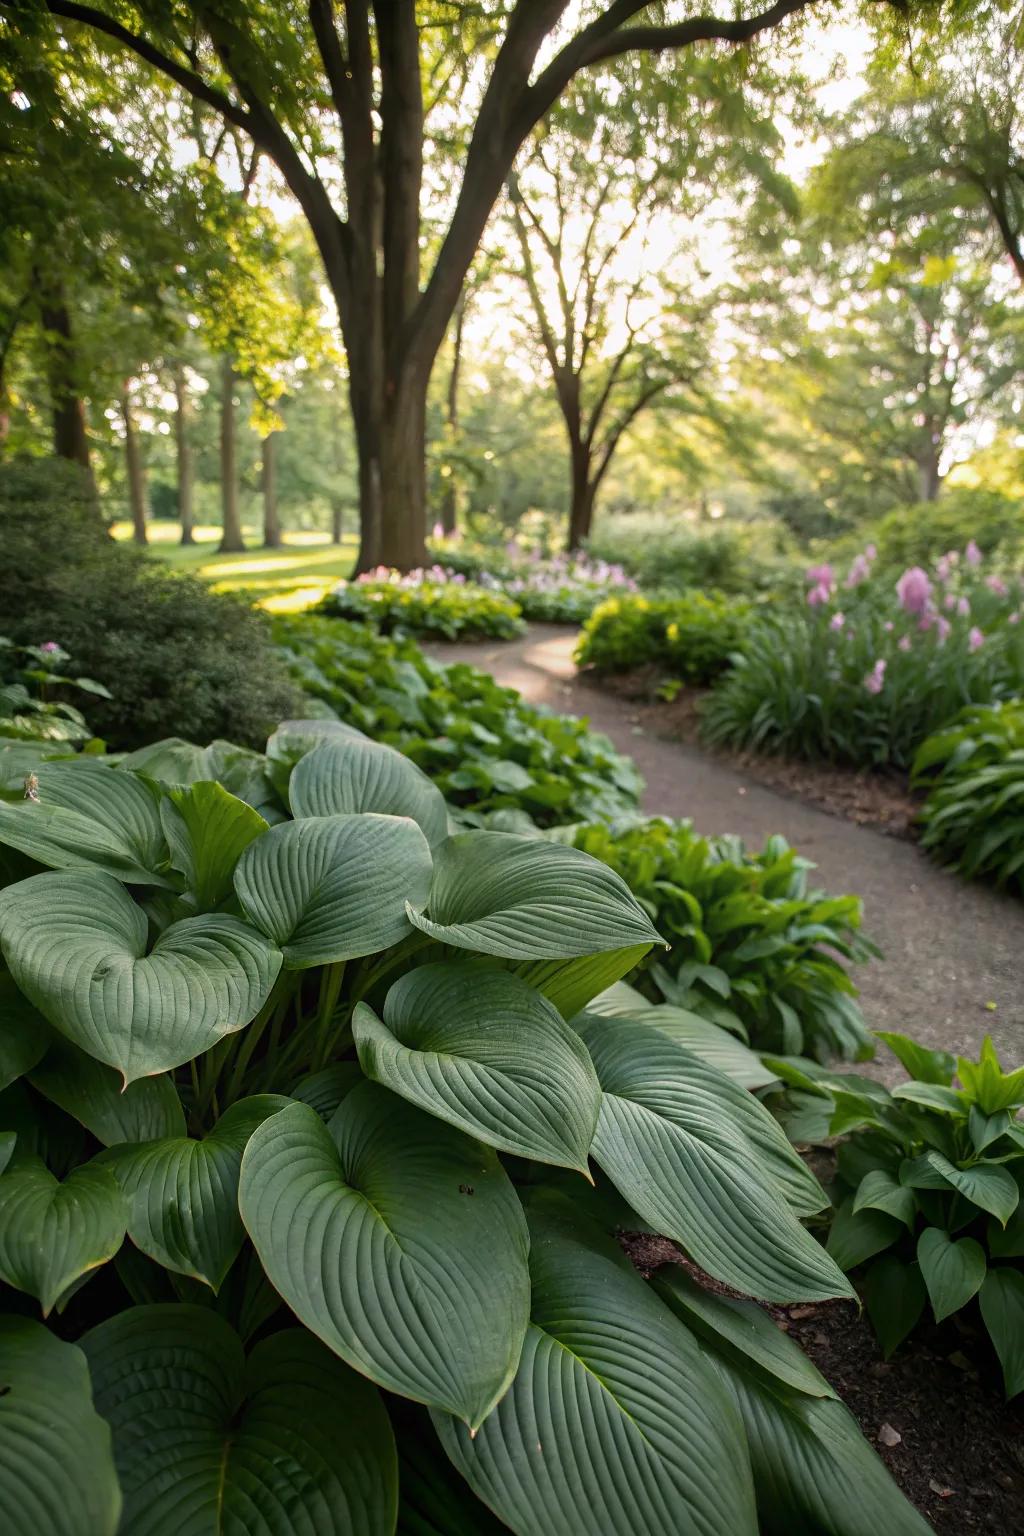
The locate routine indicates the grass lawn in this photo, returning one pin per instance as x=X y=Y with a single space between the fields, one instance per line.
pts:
x=281 y=580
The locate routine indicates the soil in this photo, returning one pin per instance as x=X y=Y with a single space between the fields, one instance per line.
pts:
x=959 y=1457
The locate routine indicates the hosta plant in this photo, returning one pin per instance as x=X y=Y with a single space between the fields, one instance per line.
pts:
x=973 y=818
x=690 y=638
x=426 y=602
x=310 y=1144
x=929 y=1184
x=33 y=682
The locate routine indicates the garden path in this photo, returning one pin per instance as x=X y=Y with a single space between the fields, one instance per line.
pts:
x=951 y=947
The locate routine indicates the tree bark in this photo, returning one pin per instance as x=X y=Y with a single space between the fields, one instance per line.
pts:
x=268 y=484
x=186 y=477
x=138 y=500
x=581 y=502
x=450 y=499
x=232 y=542
x=928 y=469
x=70 y=440
x=337 y=519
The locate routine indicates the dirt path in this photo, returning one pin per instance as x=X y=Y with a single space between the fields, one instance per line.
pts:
x=950 y=946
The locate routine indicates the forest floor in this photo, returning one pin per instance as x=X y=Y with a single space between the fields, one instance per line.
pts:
x=952 y=969
x=283 y=580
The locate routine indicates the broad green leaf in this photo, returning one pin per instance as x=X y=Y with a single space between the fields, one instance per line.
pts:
x=946 y=1101
x=207 y=831
x=702 y=1038
x=894 y=1295
x=987 y=1185
x=856 y=1236
x=879 y=1190
x=614 y=1425
x=482 y=1050
x=985 y=1129
x=53 y=1233
x=209 y=1442
x=335 y=887
x=294 y=738
x=351 y=774
x=24 y=1034
x=76 y=945
x=952 y=1271
x=1001 y=1299
x=398 y=1241
x=183 y=1194
x=89 y=817
x=324 y=1090
x=57 y=1474
x=1008 y=1242
x=677 y=1151
x=570 y=984
x=147 y=1109
x=924 y=1065
x=435 y=1500
x=505 y=895
x=8 y=1142
x=987 y=1083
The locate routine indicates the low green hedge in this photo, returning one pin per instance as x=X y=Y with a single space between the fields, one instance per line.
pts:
x=427 y=607
x=690 y=638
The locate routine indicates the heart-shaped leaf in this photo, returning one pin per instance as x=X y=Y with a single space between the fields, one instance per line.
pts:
x=352 y=774
x=24 y=1034
x=51 y=1234
x=570 y=984
x=879 y=1190
x=484 y=1051
x=210 y=1443
x=894 y=1295
x=89 y=817
x=581 y=1444
x=207 y=831
x=183 y=1194
x=335 y=887
x=179 y=763
x=57 y=1471
x=506 y=895
x=398 y=1241
x=76 y=945
x=294 y=738
x=858 y=1235
x=1001 y=1299
x=952 y=1271
x=82 y=1086
x=987 y=1185
x=680 y=1156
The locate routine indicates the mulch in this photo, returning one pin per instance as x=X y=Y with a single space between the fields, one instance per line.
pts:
x=959 y=1455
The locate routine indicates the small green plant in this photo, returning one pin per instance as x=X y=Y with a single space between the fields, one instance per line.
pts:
x=691 y=637
x=973 y=818
x=32 y=680
x=426 y=603
x=929 y=1184
x=753 y=948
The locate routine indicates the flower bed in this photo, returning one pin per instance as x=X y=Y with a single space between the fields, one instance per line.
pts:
x=432 y=602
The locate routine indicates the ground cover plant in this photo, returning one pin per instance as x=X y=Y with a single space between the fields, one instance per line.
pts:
x=430 y=602
x=33 y=682
x=973 y=818
x=687 y=639
x=928 y=1192
x=863 y=669
x=296 y=1130
x=485 y=748
x=754 y=948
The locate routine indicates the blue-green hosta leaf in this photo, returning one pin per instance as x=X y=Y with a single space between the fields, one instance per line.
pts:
x=335 y=887
x=398 y=1241
x=680 y=1156
x=207 y=831
x=858 y=1235
x=24 y=1033
x=179 y=763
x=570 y=984
x=294 y=738
x=183 y=1194
x=57 y=1471
x=82 y=1086
x=53 y=1233
x=351 y=774
x=527 y=899
x=89 y=817
x=209 y=1442
x=880 y=1190
x=1001 y=1299
x=952 y=1271
x=614 y=1424
x=484 y=1051
x=76 y=945
x=988 y=1185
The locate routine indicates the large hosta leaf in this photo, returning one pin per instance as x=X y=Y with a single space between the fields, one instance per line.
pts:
x=333 y=888
x=527 y=899
x=183 y=1194
x=208 y=1442
x=207 y=831
x=179 y=763
x=398 y=1241
x=570 y=984
x=679 y=1153
x=51 y=1234
x=351 y=774
x=57 y=1474
x=24 y=1034
x=82 y=1086
x=89 y=817
x=615 y=1425
x=76 y=945
x=710 y=1042
x=484 y=1051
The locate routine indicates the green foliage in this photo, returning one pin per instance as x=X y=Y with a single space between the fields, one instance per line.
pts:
x=483 y=746
x=973 y=817
x=32 y=678
x=919 y=535
x=175 y=658
x=298 y=1112
x=425 y=603
x=691 y=638
x=753 y=948
x=665 y=552
x=930 y=1178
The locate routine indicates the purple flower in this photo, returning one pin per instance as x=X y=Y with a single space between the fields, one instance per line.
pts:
x=1014 y=618
x=875 y=680
x=942 y=627
x=860 y=570
x=903 y=643
x=871 y=551
x=888 y=626
x=950 y=601
x=972 y=554
x=963 y=607
x=819 y=594
x=820 y=576
x=927 y=619
x=837 y=621
x=997 y=585
x=975 y=640
x=49 y=646
x=943 y=568
x=914 y=590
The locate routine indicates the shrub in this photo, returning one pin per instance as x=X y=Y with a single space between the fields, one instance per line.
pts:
x=930 y=1178
x=32 y=680
x=659 y=551
x=753 y=948
x=921 y=534
x=483 y=745
x=338 y=1111
x=425 y=603
x=690 y=638
x=176 y=658
x=973 y=817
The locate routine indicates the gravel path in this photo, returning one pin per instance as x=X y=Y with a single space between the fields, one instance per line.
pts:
x=950 y=946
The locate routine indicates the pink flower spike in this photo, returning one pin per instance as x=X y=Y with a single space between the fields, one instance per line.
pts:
x=950 y=601
x=819 y=594
x=942 y=628
x=914 y=590
x=1014 y=618
x=860 y=571
x=820 y=576
x=943 y=568
x=875 y=680
x=837 y=621
x=904 y=643
x=997 y=585
x=972 y=554
x=927 y=619
x=975 y=640
x=963 y=607
x=888 y=626
x=871 y=552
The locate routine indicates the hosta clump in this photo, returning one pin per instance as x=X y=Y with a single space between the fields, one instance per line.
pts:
x=930 y=1179
x=973 y=818
x=299 y=1125
x=426 y=602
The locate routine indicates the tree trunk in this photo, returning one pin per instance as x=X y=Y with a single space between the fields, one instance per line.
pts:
x=449 y=501
x=70 y=440
x=582 y=492
x=268 y=483
x=231 y=542
x=931 y=480
x=391 y=444
x=337 y=519
x=186 y=479
x=137 y=498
